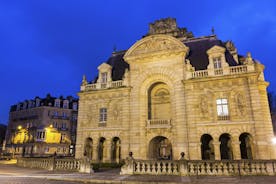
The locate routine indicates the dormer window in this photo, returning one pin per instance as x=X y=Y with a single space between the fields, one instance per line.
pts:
x=57 y=102
x=104 y=77
x=217 y=62
x=37 y=102
x=25 y=105
x=18 y=107
x=65 y=104
x=104 y=74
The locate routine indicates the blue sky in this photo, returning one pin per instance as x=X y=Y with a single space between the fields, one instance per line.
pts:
x=47 y=45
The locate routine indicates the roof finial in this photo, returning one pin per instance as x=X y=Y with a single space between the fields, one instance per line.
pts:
x=213 y=30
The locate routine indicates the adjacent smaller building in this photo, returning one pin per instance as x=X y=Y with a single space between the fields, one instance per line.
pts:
x=42 y=127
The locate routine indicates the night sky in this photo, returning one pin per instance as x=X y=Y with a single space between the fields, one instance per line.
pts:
x=47 y=45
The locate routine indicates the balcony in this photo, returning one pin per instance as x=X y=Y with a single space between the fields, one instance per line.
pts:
x=223 y=117
x=97 y=86
x=233 y=70
x=159 y=123
x=60 y=117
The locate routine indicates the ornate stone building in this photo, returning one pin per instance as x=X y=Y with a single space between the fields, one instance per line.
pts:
x=42 y=127
x=171 y=92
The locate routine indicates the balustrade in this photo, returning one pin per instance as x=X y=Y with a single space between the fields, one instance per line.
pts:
x=220 y=71
x=65 y=164
x=202 y=168
x=158 y=123
x=96 y=86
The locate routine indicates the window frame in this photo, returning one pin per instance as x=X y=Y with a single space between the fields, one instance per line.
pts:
x=222 y=105
x=103 y=115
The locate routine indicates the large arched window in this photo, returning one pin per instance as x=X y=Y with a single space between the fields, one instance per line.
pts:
x=246 y=146
x=225 y=147
x=159 y=102
x=207 y=147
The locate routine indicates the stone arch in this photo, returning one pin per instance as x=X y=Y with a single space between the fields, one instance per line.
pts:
x=88 y=148
x=246 y=146
x=101 y=149
x=116 y=149
x=207 y=147
x=160 y=148
x=226 y=151
x=159 y=102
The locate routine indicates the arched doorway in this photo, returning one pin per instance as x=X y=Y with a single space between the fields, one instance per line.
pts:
x=246 y=146
x=101 y=148
x=88 y=148
x=160 y=148
x=207 y=147
x=225 y=147
x=116 y=150
x=159 y=102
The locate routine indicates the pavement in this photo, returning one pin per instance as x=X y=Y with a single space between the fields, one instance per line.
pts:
x=11 y=173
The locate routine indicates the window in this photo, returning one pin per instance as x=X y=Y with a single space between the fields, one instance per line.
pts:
x=103 y=115
x=222 y=107
x=64 y=114
x=55 y=113
x=57 y=103
x=217 y=62
x=75 y=106
x=63 y=136
x=37 y=102
x=104 y=77
x=65 y=104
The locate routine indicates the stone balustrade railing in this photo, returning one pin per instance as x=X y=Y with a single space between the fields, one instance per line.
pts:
x=63 y=164
x=159 y=123
x=162 y=167
x=97 y=86
x=233 y=70
x=200 y=167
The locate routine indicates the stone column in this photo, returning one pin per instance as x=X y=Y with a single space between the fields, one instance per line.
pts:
x=217 y=150
x=118 y=147
x=107 y=150
x=236 y=150
x=95 y=152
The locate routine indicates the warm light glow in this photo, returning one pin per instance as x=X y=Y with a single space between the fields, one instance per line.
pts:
x=51 y=126
x=19 y=127
x=274 y=140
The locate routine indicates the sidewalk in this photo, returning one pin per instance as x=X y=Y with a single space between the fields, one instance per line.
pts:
x=112 y=176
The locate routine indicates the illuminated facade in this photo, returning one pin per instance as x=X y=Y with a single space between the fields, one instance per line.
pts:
x=171 y=92
x=42 y=126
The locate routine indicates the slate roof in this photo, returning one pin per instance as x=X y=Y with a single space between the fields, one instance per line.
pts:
x=47 y=101
x=198 y=48
x=197 y=56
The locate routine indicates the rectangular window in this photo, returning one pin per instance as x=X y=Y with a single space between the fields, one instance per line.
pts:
x=65 y=104
x=75 y=106
x=104 y=77
x=57 y=103
x=217 y=62
x=103 y=115
x=222 y=107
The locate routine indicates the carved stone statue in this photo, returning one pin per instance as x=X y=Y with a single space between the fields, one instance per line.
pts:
x=248 y=59
x=203 y=106
x=240 y=105
x=84 y=81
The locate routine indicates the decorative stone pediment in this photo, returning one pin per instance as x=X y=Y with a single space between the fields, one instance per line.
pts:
x=216 y=49
x=156 y=45
x=104 y=67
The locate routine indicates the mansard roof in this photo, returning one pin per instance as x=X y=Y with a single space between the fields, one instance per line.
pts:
x=197 y=55
x=198 y=51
